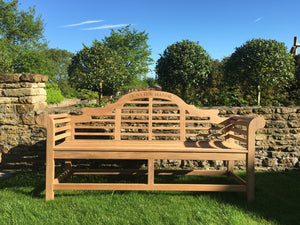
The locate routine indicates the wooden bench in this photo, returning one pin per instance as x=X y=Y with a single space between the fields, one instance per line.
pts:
x=150 y=125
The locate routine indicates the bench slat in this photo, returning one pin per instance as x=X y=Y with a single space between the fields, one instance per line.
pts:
x=64 y=128
x=163 y=146
x=134 y=121
x=242 y=123
x=61 y=136
x=150 y=187
x=155 y=108
x=244 y=132
x=134 y=134
x=64 y=120
x=94 y=127
x=237 y=138
x=133 y=128
x=165 y=121
x=165 y=128
x=93 y=134
x=102 y=120
x=135 y=114
x=135 y=108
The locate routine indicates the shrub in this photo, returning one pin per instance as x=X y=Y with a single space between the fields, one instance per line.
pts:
x=87 y=94
x=53 y=93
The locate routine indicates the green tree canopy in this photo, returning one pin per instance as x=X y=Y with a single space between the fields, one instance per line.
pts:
x=116 y=61
x=21 y=40
x=97 y=68
x=259 y=65
x=59 y=60
x=297 y=72
x=183 y=68
x=132 y=46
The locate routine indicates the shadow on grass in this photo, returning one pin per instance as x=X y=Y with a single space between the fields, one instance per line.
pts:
x=277 y=193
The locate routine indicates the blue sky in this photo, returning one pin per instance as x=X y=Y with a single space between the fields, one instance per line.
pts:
x=219 y=25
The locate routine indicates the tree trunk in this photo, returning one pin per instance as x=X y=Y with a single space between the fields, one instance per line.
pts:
x=100 y=93
x=258 y=94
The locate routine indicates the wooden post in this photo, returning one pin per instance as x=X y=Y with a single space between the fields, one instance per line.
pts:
x=294 y=47
x=50 y=163
x=296 y=44
x=258 y=94
x=250 y=175
x=150 y=171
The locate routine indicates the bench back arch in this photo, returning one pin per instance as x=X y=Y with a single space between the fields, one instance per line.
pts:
x=145 y=115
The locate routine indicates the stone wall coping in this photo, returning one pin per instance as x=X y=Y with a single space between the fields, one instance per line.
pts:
x=22 y=77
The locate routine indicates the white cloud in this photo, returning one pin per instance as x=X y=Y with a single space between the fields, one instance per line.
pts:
x=106 y=27
x=83 y=23
x=258 y=19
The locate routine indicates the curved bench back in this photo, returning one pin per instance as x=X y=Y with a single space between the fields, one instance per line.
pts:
x=147 y=116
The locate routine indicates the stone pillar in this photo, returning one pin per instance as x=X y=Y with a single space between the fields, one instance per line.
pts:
x=21 y=95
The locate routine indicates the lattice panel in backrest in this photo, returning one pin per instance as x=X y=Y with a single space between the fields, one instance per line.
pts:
x=150 y=118
x=135 y=119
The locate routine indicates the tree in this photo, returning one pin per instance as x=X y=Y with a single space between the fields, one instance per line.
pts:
x=259 y=65
x=132 y=46
x=98 y=68
x=297 y=71
x=60 y=60
x=183 y=67
x=21 y=39
x=150 y=81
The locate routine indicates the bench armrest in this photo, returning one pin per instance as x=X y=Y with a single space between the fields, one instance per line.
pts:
x=58 y=127
x=254 y=123
x=243 y=129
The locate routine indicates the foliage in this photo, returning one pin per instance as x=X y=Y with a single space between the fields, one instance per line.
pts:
x=66 y=89
x=87 y=94
x=21 y=40
x=150 y=81
x=183 y=68
x=53 y=93
x=59 y=62
x=97 y=68
x=5 y=58
x=117 y=61
x=297 y=70
x=135 y=53
x=258 y=65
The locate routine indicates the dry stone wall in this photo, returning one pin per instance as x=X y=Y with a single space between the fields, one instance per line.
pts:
x=21 y=96
x=278 y=144
x=22 y=141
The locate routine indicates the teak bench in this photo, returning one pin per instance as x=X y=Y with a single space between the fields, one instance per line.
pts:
x=150 y=125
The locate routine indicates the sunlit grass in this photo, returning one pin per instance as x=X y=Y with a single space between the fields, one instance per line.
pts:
x=277 y=202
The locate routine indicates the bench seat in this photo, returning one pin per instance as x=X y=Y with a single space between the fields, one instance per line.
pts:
x=137 y=146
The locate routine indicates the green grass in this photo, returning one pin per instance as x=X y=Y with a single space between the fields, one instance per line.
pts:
x=277 y=202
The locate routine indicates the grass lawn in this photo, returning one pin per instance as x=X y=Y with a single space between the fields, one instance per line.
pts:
x=277 y=202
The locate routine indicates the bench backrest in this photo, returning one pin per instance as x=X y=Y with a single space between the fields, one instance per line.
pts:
x=147 y=116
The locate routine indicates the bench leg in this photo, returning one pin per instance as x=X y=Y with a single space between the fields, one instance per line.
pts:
x=150 y=171
x=230 y=165
x=250 y=179
x=49 y=179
